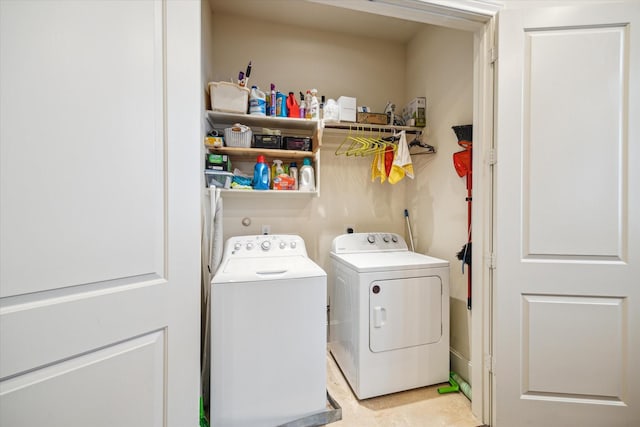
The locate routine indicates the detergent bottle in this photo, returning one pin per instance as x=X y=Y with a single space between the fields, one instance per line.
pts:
x=306 y=181
x=261 y=174
x=257 y=102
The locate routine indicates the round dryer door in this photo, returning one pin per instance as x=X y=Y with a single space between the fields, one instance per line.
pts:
x=404 y=313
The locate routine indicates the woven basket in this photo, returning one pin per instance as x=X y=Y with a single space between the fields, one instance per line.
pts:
x=238 y=136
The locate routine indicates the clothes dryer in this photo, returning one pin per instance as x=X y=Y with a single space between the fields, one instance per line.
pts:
x=389 y=314
x=268 y=333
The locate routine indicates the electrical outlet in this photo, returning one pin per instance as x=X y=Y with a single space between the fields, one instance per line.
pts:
x=266 y=229
x=349 y=229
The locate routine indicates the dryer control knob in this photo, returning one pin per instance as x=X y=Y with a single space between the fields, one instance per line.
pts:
x=237 y=246
x=385 y=238
x=266 y=245
x=394 y=238
x=371 y=238
x=283 y=245
x=249 y=246
x=293 y=245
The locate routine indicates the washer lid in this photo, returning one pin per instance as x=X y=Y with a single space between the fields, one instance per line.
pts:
x=266 y=268
x=385 y=261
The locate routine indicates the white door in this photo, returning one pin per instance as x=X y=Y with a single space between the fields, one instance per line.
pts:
x=567 y=283
x=99 y=203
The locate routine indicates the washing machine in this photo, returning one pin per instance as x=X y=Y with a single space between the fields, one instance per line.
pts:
x=389 y=314
x=268 y=333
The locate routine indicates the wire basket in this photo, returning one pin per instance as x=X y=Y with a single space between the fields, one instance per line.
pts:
x=238 y=136
x=463 y=132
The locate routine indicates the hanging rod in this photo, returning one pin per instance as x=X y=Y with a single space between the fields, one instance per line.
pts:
x=368 y=127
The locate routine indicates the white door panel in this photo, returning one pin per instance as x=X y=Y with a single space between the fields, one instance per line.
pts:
x=75 y=160
x=85 y=388
x=99 y=212
x=568 y=247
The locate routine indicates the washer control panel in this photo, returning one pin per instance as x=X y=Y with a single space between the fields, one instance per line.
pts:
x=265 y=245
x=368 y=242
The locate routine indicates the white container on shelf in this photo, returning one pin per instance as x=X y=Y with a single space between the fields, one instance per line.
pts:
x=347 y=106
x=306 y=180
x=228 y=97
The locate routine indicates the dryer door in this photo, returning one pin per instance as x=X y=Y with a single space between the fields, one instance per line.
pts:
x=404 y=313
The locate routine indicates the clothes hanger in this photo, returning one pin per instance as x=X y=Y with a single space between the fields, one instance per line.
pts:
x=346 y=138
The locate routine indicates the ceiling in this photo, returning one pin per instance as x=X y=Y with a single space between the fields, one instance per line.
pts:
x=322 y=17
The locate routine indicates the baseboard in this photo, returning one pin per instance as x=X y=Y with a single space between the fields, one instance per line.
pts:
x=460 y=365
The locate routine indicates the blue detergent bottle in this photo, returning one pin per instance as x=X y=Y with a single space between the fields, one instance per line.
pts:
x=261 y=174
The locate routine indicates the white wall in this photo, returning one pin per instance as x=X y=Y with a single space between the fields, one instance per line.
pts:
x=437 y=63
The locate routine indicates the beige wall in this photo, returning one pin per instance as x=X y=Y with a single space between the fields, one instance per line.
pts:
x=437 y=63
x=440 y=65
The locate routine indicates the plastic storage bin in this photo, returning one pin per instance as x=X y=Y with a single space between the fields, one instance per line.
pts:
x=219 y=179
x=229 y=97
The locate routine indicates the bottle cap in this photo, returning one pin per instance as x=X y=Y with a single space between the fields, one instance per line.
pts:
x=293 y=165
x=261 y=159
x=306 y=161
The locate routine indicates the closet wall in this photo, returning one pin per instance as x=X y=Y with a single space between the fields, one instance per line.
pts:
x=436 y=63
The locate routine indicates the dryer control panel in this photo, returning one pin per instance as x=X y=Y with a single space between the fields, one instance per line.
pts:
x=265 y=245
x=368 y=242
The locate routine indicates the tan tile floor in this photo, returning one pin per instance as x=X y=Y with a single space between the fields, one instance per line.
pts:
x=422 y=407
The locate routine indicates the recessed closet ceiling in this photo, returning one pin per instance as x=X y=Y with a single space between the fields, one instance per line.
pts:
x=319 y=16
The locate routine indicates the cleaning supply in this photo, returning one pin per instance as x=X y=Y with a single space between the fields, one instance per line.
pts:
x=261 y=174
x=293 y=173
x=272 y=105
x=307 y=105
x=303 y=108
x=292 y=106
x=257 y=102
x=315 y=105
x=307 y=180
x=276 y=169
x=281 y=104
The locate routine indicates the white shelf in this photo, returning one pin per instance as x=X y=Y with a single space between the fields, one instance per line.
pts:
x=268 y=193
x=263 y=121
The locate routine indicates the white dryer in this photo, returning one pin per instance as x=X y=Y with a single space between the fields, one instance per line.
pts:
x=389 y=314
x=268 y=333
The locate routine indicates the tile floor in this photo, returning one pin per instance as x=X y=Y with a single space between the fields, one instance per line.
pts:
x=422 y=407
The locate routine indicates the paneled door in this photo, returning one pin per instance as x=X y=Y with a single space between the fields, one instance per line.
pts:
x=99 y=213
x=567 y=280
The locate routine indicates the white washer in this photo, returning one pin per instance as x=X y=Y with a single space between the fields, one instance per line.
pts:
x=389 y=314
x=268 y=334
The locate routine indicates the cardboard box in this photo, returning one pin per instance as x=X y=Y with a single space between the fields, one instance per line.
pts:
x=347 y=106
x=217 y=162
x=415 y=112
x=372 y=118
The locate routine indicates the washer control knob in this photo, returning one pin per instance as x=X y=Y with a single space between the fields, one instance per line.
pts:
x=394 y=238
x=266 y=245
x=371 y=238
x=293 y=245
x=237 y=246
x=249 y=246
x=385 y=238
x=283 y=245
